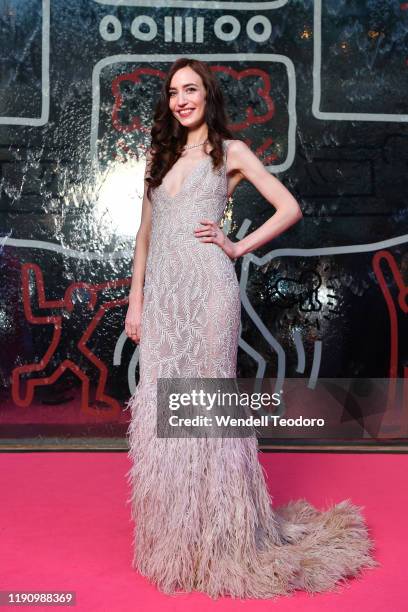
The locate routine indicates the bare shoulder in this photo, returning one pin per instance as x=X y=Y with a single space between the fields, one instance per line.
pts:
x=237 y=156
x=236 y=146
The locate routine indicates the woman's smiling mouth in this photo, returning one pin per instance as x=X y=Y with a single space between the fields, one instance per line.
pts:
x=186 y=112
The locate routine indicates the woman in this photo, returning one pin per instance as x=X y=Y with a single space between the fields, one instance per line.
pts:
x=203 y=517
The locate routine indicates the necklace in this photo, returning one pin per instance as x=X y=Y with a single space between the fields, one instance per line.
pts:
x=195 y=145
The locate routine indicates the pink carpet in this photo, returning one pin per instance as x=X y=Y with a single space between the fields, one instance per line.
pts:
x=65 y=525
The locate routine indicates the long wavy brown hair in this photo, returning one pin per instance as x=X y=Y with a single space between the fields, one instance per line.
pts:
x=168 y=137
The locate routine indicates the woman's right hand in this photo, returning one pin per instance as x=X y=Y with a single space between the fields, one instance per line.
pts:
x=134 y=318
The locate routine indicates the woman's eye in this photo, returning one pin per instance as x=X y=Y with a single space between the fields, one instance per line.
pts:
x=189 y=89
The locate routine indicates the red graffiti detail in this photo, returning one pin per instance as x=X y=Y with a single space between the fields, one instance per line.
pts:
x=250 y=117
x=56 y=321
x=264 y=93
x=136 y=123
x=379 y=257
x=264 y=146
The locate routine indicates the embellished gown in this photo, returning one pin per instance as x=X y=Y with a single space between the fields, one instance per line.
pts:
x=203 y=518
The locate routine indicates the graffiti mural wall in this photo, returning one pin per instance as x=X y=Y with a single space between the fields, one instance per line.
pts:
x=316 y=89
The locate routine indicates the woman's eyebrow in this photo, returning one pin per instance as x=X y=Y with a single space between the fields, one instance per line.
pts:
x=186 y=85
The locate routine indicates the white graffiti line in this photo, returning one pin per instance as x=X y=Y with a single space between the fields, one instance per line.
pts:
x=337 y=250
x=216 y=5
x=67 y=252
x=117 y=359
x=317 y=358
x=300 y=350
x=259 y=324
x=45 y=77
x=257 y=357
x=248 y=259
x=207 y=57
x=317 y=67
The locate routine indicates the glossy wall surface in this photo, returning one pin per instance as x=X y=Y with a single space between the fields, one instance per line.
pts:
x=316 y=89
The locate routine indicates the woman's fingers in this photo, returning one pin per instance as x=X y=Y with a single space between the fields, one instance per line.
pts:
x=210 y=225
x=135 y=337
x=133 y=323
x=212 y=234
x=133 y=332
x=211 y=230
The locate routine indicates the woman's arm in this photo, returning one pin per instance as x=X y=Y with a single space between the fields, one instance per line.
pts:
x=142 y=242
x=288 y=212
x=134 y=312
x=140 y=256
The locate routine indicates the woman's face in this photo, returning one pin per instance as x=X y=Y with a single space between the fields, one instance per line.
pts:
x=187 y=97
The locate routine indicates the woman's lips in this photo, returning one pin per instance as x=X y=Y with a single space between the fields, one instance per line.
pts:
x=186 y=112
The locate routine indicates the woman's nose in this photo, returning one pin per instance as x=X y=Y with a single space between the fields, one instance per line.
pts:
x=180 y=98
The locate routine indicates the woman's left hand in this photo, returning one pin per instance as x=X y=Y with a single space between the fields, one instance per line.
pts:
x=211 y=232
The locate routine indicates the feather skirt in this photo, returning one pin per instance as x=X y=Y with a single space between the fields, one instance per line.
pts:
x=204 y=521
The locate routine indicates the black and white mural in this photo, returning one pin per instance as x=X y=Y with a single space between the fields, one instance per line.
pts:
x=317 y=89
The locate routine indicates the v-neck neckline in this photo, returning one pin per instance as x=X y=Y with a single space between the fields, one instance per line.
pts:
x=184 y=183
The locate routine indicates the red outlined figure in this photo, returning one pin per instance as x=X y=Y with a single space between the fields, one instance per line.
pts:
x=264 y=92
x=66 y=305
x=250 y=118
x=134 y=77
x=378 y=258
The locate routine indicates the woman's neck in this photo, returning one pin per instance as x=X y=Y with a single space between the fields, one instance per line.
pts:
x=196 y=136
